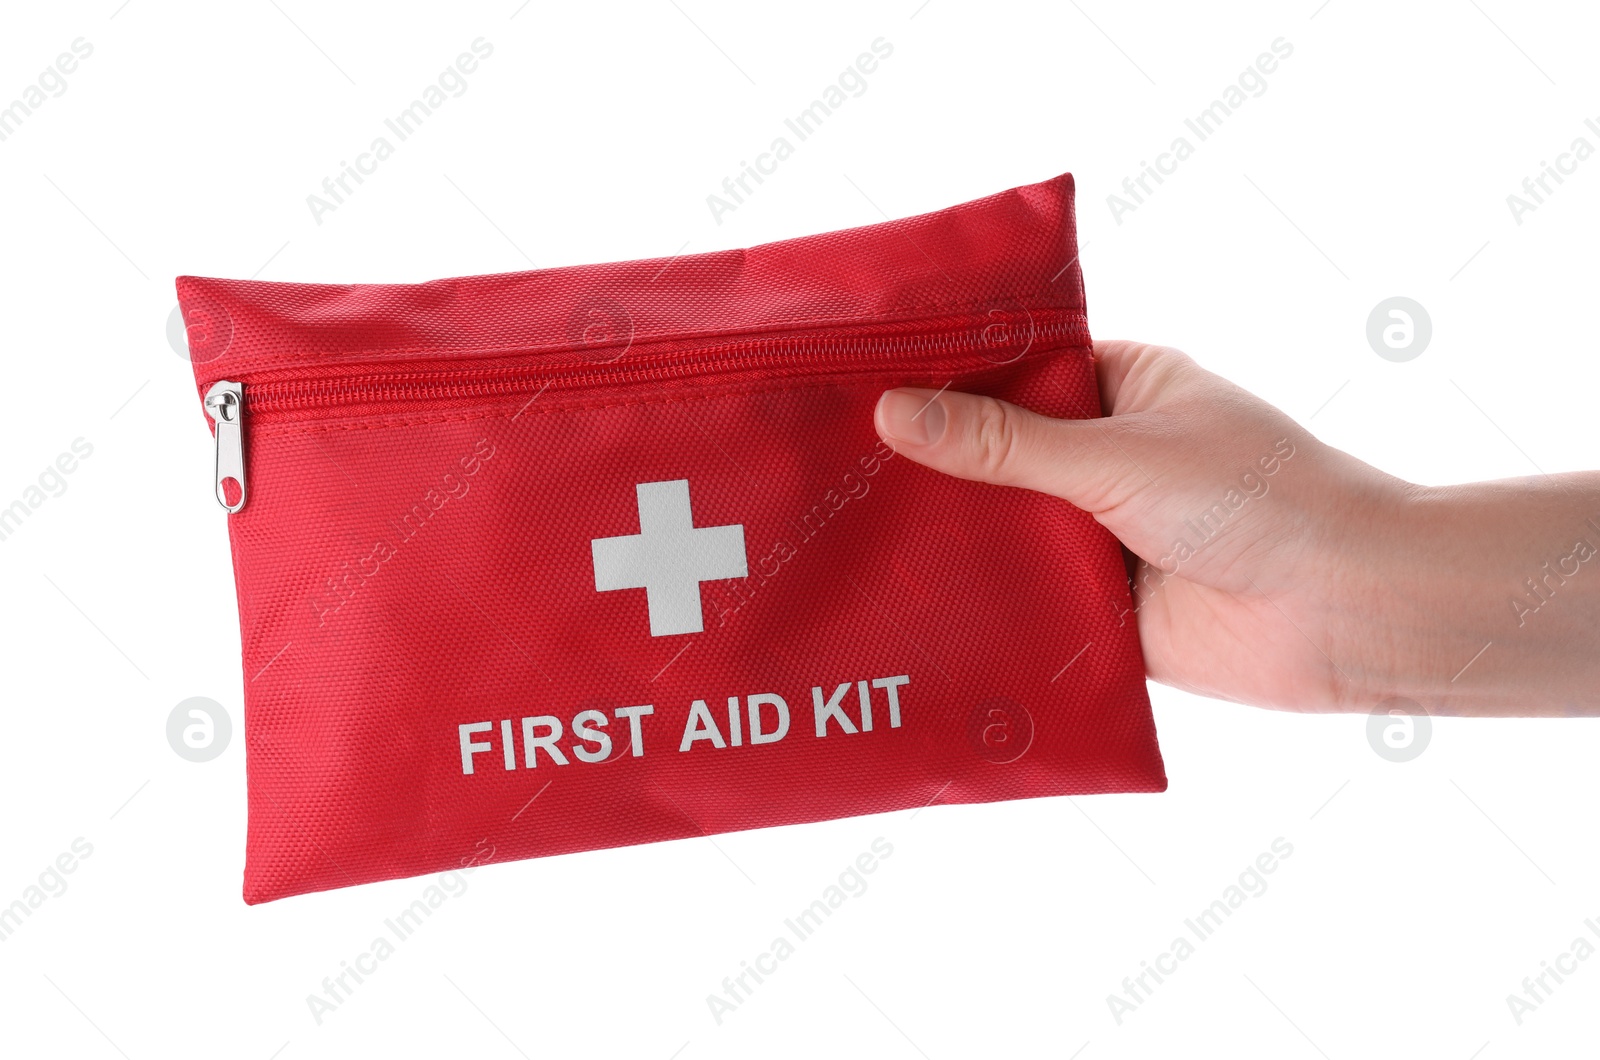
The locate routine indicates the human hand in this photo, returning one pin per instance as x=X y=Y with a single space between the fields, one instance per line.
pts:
x=1276 y=570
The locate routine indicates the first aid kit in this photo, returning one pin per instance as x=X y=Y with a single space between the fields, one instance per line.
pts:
x=550 y=561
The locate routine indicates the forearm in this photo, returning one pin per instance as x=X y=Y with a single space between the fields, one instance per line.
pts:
x=1485 y=598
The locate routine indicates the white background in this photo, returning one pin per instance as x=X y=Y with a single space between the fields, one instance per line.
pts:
x=1377 y=163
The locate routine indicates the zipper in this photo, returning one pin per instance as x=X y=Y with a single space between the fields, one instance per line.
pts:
x=998 y=339
x=225 y=405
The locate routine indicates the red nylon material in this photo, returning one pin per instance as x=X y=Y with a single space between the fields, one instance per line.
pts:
x=430 y=465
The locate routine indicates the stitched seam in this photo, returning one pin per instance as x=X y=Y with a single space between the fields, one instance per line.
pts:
x=257 y=359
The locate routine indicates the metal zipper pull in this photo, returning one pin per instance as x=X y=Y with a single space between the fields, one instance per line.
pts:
x=225 y=404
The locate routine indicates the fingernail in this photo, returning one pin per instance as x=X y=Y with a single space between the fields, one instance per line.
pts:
x=911 y=417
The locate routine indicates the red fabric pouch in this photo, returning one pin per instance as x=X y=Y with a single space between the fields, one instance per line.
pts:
x=575 y=558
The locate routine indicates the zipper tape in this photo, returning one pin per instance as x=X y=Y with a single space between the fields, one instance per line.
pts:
x=974 y=343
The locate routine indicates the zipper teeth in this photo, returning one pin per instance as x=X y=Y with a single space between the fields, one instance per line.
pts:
x=846 y=353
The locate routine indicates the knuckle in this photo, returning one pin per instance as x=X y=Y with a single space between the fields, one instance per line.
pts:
x=994 y=438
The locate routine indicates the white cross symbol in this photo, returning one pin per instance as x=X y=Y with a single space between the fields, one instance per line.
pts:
x=669 y=557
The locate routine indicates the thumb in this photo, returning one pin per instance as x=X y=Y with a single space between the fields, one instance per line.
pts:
x=989 y=440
